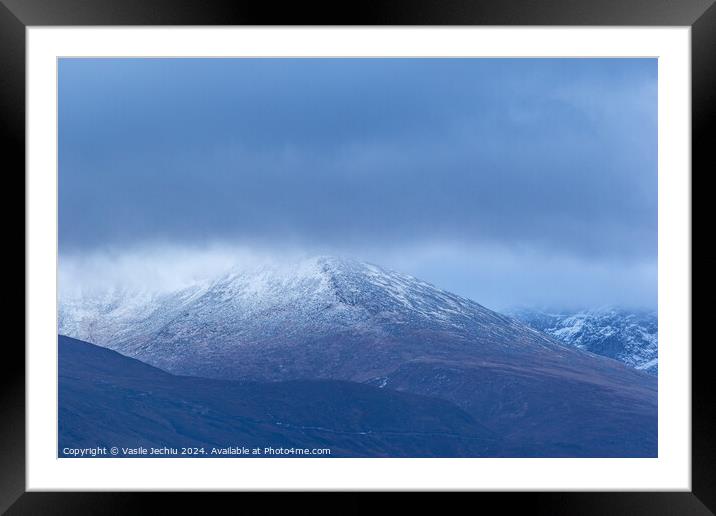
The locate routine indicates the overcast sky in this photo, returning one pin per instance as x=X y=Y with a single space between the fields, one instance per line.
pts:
x=510 y=181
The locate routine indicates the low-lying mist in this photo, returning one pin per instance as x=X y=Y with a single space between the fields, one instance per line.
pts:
x=496 y=277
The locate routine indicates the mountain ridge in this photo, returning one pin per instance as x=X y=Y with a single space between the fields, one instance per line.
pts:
x=319 y=297
x=627 y=335
x=332 y=319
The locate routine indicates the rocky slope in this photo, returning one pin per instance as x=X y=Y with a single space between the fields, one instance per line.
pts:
x=630 y=336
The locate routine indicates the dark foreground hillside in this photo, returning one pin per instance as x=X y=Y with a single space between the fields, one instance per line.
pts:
x=429 y=408
x=107 y=399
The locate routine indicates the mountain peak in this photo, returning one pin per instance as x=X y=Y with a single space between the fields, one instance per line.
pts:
x=285 y=306
x=329 y=318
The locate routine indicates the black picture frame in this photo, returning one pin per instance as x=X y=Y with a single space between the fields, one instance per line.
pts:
x=700 y=15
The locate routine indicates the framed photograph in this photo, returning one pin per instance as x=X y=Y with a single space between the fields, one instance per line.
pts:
x=440 y=249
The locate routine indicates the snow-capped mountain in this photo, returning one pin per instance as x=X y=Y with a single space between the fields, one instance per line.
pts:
x=273 y=314
x=630 y=336
x=335 y=319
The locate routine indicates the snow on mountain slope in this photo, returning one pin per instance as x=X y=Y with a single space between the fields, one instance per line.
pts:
x=330 y=318
x=272 y=309
x=628 y=336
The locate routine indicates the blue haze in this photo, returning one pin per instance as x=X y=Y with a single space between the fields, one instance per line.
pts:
x=510 y=181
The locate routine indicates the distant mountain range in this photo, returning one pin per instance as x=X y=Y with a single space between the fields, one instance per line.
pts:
x=630 y=336
x=330 y=319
